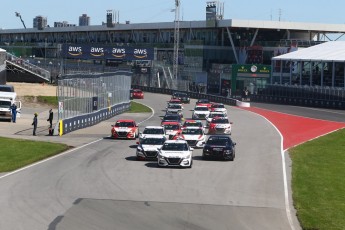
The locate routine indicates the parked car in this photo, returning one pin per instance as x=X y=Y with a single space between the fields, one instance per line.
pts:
x=147 y=149
x=219 y=147
x=183 y=97
x=175 y=153
x=138 y=94
x=127 y=129
x=219 y=125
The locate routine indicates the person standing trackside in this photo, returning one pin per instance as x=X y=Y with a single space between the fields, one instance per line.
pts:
x=50 y=119
x=14 y=112
x=34 y=123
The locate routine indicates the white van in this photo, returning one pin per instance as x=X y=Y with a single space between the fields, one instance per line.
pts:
x=6 y=100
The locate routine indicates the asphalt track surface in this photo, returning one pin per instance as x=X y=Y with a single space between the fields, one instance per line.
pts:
x=100 y=185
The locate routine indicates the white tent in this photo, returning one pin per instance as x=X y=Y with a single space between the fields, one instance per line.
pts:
x=333 y=51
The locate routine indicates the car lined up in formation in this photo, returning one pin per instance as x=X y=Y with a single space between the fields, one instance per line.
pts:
x=171 y=144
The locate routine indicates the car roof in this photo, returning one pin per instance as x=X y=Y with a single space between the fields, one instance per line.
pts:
x=154 y=127
x=193 y=121
x=154 y=136
x=201 y=106
x=171 y=123
x=192 y=127
x=176 y=141
x=125 y=120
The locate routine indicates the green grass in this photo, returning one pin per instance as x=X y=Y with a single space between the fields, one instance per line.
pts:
x=318 y=182
x=17 y=153
x=50 y=100
x=138 y=108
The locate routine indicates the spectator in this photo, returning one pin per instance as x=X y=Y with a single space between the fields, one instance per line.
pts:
x=50 y=119
x=34 y=123
x=14 y=112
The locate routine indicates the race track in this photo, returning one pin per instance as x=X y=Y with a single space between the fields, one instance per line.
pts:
x=102 y=186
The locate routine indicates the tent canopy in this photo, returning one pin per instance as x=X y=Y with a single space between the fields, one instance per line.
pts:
x=325 y=52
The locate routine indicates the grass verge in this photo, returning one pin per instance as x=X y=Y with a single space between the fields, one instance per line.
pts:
x=318 y=182
x=139 y=108
x=17 y=153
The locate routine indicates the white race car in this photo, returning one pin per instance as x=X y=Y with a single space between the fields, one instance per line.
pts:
x=219 y=125
x=218 y=107
x=175 y=153
x=213 y=115
x=195 y=136
x=148 y=147
x=200 y=112
x=152 y=130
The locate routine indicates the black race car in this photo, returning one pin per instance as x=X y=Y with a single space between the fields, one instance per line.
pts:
x=183 y=97
x=219 y=147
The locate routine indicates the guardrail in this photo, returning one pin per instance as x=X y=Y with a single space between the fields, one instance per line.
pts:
x=219 y=99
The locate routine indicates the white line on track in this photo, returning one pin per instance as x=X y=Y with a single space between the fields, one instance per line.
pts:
x=67 y=152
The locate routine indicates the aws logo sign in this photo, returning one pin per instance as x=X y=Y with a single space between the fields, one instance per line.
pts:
x=140 y=53
x=118 y=53
x=97 y=51
x=75 y=50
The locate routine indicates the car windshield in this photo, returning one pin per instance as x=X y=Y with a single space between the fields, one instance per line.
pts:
x=192 y=131
x=218 y=141
x=171 y=117
x=175 y=147
x=5 y=104
x=201 y=109
x=203 y=101
x=171 y=127
x=153 y=141
x=137 y=91
x=153 y=131
x=194 y=124
x=216 y=115
x=174 y=106
x=218 y=106
x=220 y=121
x=124 y=124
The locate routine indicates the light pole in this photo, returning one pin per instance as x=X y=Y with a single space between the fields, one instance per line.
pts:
x=51 y=73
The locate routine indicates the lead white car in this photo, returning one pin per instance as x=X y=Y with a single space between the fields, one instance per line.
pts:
x=213 y=115
x=175 y=153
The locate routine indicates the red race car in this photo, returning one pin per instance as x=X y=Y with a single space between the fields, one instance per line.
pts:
x=204 y=102
x=172 y=128
x=138 y=94
x=126 y=129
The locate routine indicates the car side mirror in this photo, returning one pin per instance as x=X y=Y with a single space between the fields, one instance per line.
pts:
x=234 y=143
x=231 y=122
x=191 y=149
x=112 y=125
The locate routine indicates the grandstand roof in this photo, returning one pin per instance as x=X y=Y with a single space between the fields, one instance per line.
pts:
x=326 y=52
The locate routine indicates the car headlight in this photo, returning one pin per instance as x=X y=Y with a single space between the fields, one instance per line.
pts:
x=187 y=156
x=228 y=151
x=140 y=149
